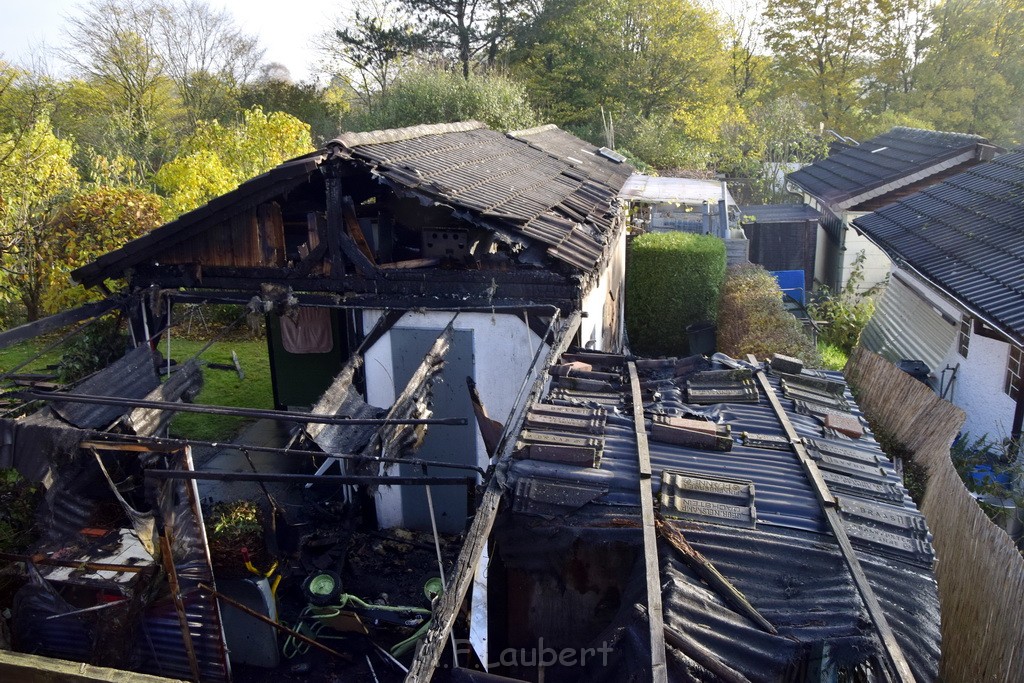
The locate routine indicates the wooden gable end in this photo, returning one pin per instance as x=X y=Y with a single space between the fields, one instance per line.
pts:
x=252 y=238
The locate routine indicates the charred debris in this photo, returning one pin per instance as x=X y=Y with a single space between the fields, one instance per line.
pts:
x=670 y=519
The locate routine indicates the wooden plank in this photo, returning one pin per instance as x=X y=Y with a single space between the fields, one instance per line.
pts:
x=355 y=230
x=656 y=620
x=55 y=322
x=433 y=643
x=893 y=652
x=270 y=227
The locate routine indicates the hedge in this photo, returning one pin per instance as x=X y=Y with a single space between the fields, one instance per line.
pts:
x=753 y=319
x=672 y=280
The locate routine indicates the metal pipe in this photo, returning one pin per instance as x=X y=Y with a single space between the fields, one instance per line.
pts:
x=121 y=439
x=284 y=416
x=288 y=478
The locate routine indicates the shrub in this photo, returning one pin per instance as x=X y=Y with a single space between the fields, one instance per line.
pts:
x=753 y=319
x=845 y=313
x=832 y=357
x=672 y=281
x=96 y=348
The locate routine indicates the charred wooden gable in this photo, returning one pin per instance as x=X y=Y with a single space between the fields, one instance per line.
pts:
x=453 y=212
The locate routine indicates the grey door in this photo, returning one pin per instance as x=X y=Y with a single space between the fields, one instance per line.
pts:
x=443 y=443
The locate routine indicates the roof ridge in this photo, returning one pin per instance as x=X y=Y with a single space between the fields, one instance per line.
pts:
x=525 y=132
x=377 y=137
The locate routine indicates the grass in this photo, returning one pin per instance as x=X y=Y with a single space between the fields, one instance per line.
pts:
x=832 y=357
x=220 y=387
x=223 y=388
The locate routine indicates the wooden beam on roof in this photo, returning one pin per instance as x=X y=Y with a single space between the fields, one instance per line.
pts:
x=652 y=567
x=434 y=640
x=893 y=653
x=56 y=321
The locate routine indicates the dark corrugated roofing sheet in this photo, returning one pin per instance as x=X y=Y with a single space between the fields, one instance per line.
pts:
x=132 y=376
x=501 y=182
x=902 y=152
x=774 y=545
x=594 y=160
x=966 y=235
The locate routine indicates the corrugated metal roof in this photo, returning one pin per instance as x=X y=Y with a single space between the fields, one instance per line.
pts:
x=900 y=156
x=966 y=235
x=500 y=182
x=905 y=326
x=786 y=561
x=665 y=190
x=132 y=376
x=778 y=213
x=576 y=152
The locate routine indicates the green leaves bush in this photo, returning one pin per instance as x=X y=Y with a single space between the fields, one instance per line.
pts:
x=753 y=319
x=672 y=281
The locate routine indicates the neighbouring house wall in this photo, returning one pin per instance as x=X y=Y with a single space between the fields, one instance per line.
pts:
x=503 y=349
x=822 y=254
x=876 y=263
x=978 y=389
x=602 y=326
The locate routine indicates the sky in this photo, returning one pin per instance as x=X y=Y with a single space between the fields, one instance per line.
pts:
x=285 y=28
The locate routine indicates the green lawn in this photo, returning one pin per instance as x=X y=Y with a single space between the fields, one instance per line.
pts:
x=220 y=387
x=223 y=388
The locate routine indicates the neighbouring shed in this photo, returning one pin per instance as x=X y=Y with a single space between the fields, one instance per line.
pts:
x=958 y=299
x=858 y=178
x=782 y=237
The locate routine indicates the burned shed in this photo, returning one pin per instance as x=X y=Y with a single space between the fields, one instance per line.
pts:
x=683 y=520
x=382 y=238
x=412 y=281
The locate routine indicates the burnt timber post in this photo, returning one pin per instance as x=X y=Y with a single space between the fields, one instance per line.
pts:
x=335 y=218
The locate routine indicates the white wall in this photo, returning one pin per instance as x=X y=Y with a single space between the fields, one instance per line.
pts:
x=978 y=390
x=876 y=263
x=979 y=387
x=503 y=349
x=602 y=326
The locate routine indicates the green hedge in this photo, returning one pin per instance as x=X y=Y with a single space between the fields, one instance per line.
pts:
x=753 y=319
x=672 y=280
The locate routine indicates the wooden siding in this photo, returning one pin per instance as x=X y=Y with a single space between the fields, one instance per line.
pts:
x=252 y=238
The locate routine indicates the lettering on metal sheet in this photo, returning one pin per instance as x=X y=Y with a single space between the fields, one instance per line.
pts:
x=862 y=486
x=544 y=437
x=885 y=538
x=708 y=509
x=843 y=463
x=725 y=488
x=570 y=423
x=838 y=449
x=896 y=518
x=720 y=501
x=550 y=409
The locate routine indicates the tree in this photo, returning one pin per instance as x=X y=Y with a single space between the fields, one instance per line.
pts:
x=972 y=76
x=206 y=54
x=821 y=52
x=113 y=44
x=434 y=96
x=321 y=108
x=658 y=67
x=897 y=47
x=372 y=47
x=216 y=158
x=465 y=28
x=748 y=65
x=35 y=176
x=87 y=226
